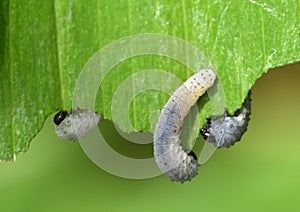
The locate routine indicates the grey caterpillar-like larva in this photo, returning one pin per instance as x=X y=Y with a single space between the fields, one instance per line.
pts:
x=178 y=164
x=77 y=124
x=225 y=130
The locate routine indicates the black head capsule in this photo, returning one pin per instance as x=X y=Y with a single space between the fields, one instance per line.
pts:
x=205 y=131
x=60 y=116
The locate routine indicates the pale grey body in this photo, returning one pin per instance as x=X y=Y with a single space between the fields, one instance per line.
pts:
x=77 y=124
x=168 y=152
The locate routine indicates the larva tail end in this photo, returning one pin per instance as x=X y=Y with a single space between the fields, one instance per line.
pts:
x=209 y=75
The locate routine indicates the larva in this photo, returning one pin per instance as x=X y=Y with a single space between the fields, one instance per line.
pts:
x=225 y=130
x=75 y=125
x=178 y=164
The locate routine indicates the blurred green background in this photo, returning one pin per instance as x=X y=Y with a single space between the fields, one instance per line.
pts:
x=260 y=173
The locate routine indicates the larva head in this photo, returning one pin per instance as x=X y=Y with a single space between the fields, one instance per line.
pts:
x=77 y=124
x=60 y=116
x=207 y=76
x=198 y=84
x=205 y=131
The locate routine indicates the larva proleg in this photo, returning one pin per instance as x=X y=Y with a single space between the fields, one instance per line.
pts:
x=178 y=164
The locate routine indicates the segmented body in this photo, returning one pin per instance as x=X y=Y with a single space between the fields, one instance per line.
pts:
x=179 y=164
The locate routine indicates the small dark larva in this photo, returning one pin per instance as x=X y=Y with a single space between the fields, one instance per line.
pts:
x=225 y=130
x=178 y=164
x=75 y=125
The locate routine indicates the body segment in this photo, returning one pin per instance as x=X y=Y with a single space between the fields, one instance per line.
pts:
x=179 y=164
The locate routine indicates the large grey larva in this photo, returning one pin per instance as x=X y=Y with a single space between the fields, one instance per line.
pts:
x=178 y=164
x=77 y=124
x=225 y=130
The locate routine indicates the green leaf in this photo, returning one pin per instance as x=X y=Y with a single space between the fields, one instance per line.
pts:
x=45 y=44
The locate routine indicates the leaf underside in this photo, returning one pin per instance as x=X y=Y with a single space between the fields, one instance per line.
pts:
x=45 y=44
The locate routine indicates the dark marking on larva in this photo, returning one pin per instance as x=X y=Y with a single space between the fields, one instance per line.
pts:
x=225 y=130
x=60 y=116
x=191 y=153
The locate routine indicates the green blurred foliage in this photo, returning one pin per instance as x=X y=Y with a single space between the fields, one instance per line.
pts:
x=260 y=173
x=45 y=44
